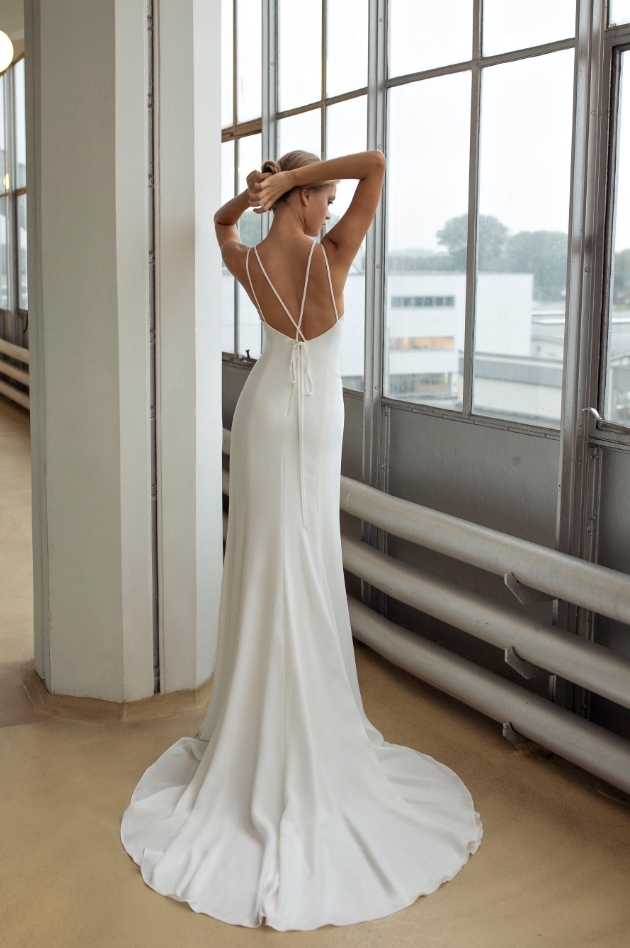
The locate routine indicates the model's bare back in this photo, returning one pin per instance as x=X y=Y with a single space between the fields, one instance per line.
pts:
x=286 y=267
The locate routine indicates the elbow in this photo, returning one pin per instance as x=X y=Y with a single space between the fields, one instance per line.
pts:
x=379 y=159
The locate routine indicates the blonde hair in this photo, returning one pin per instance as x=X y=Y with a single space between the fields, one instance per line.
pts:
x=290 y=162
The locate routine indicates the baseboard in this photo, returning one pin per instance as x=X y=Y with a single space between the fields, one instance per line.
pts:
x=95 y=709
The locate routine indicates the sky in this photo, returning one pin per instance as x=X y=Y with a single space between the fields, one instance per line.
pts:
x=622 y=211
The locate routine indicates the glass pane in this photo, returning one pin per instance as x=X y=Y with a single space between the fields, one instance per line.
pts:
x=4 y=261
x=302 y=131
x=347 y=133
x=227 y=62
x=250 y=227
x=424 y=34
x=249 y=159
x=22 y=271
x=299 y=52
x=508 y=26
x=619 y=11
x=618 y=374
x=20 y=125
x=249 y=59
x=4 y=184
x=524 y=172
x=346 y=63
x=228 y=281
x=426 y=271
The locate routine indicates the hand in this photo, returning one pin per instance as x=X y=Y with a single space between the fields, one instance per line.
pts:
x=263 y=190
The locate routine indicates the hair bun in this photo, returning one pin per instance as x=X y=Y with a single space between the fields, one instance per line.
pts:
x=271 y=166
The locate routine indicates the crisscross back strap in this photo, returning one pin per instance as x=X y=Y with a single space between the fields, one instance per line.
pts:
x=332 y=294
x=298 y=324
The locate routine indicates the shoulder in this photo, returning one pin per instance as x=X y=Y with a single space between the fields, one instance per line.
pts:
x=234 y=254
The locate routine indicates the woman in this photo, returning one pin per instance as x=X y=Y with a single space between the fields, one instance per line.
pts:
x=289 y=808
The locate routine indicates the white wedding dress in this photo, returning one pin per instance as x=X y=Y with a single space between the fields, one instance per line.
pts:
x=289 y=807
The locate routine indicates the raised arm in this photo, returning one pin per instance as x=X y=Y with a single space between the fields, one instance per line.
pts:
x=225 y=221
x=346 y=236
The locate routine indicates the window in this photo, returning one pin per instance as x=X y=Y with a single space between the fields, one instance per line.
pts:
x=532 y=24
x=428 y=162
x=13 y=261
x=491 y=139
x=322 y=87
x=524 y=177
x=619 y=12
x=425 y=35
x=617 y=385
x=476 y=117
x=241 y=110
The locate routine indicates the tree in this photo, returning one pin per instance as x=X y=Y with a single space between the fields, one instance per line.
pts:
x=491 y=235
x=543 y=253
x=621 y=276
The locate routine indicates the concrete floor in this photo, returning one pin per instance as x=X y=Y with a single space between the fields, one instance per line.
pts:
x=553 y=868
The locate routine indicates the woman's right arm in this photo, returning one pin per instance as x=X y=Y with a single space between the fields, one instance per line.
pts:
x=225 y=221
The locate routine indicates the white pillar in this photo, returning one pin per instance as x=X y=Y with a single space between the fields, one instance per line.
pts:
x=87 y=141
x=189 y=335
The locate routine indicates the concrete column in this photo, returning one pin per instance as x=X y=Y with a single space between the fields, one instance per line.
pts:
x=189 y=337
x=89 y=200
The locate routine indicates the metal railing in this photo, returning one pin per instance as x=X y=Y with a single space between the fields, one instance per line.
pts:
x=531 y=647
x=11 y=351
x=558 y=575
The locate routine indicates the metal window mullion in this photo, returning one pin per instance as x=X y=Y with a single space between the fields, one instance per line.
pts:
x=234 y=65
x=512 y=56
x=583 y=315
x=11 y=207
x=153 y=210
x=234 y=280
x=375 y=250
x=581 y=307
x=235 y=155
x=269 y=85
x=473 y=208
x=328 y=100
x=374 y=450
x=324 y=83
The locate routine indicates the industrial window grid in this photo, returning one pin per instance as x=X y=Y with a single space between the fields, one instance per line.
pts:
x=14 y=315
x=598 y=44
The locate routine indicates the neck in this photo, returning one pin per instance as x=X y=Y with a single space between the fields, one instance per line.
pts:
x=286 y=225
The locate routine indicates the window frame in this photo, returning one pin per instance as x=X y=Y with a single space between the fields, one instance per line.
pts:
x=593 y=43
x=14 y=318
x=616 y=43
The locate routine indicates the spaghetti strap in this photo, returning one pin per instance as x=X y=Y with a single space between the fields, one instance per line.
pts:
x=332 y=294
x=298 y=325
x=252 y=286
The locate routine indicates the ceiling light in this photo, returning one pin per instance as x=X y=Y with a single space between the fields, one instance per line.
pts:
x=6 y=52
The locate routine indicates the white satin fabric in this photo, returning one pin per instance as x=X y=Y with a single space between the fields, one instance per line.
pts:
x=289 y=807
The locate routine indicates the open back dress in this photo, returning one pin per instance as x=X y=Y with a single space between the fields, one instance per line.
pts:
x=289 y=808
